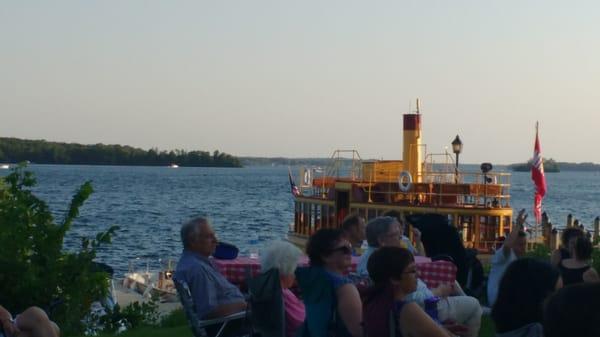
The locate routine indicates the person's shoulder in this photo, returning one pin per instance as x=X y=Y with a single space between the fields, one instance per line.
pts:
x=409 y=309
x=338 y=280
x=591 y=275
x=189 y=263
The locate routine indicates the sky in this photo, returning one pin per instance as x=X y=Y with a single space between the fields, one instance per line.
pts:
x=304 y=78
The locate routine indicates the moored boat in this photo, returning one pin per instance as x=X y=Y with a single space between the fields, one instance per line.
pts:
x=152 y=283
x=476 y=203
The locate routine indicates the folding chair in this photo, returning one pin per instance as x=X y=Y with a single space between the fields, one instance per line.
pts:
x=266 y=303
x=197 y=325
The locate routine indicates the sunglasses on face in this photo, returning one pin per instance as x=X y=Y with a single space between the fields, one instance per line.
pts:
x=342 y=249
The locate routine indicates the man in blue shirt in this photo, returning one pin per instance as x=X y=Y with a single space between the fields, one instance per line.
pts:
x=214 y=296
x=513 y=248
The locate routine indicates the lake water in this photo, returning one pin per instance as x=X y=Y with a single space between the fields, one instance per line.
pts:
x=150 y=204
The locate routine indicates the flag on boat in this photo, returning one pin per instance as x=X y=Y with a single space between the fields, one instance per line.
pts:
x=538 y=177
x=293 y=187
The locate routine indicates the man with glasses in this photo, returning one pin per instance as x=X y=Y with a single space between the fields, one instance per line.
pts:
x=214 y=296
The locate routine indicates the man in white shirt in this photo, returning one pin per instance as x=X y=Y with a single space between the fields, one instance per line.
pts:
x=513 y=248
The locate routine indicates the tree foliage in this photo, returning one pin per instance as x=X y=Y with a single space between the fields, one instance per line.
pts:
x=34 y=268
x=42 y=152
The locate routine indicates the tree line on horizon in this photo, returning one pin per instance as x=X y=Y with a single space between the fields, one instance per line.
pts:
x=15 y=150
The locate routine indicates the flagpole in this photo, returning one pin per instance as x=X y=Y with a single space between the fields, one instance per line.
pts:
x=537 y=130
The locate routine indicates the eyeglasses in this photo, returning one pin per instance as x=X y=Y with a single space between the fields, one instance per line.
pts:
x=342 y=249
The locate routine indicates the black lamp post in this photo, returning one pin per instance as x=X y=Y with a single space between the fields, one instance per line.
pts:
x=456 y=148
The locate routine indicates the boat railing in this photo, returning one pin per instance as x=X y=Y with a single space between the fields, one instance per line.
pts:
x=317 y=181
x=344 y=163
x=443 y=188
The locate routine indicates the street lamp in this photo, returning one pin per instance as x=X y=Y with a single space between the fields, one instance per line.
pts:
x=456 y=148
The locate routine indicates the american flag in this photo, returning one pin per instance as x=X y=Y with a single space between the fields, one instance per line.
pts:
x=294 y=188
x=538 y=177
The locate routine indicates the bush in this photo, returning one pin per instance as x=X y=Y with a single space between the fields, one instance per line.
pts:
x=174 y=318
x=115 y=319
x=34 y=269
x=539 y=252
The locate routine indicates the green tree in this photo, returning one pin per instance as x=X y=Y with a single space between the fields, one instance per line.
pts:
x=34 y=269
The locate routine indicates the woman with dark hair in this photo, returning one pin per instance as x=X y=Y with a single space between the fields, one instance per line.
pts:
x=567 y=243
x=332 y=302
x=394 y=275
x=577 y=269
x=573 y=311
x=523 y=289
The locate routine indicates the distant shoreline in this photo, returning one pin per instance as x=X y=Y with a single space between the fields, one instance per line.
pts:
x=15 y=150
x=554 y=166
x=549 y=166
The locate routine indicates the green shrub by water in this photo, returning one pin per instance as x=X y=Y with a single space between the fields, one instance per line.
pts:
x=34 y=268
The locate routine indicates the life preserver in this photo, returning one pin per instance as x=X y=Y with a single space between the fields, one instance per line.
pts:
x=306 y=179
x=404 y=181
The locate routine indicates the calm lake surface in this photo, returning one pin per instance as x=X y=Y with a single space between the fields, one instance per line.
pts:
x=149 y=204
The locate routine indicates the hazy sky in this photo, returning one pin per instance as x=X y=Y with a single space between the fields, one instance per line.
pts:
x=302 y=78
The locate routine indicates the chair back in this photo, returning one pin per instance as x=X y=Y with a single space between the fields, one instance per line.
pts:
x=266 y=303
x=185 y=296
x=320 y=303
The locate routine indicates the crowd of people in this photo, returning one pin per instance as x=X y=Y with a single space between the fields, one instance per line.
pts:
x=384 y=296
x=526 y=296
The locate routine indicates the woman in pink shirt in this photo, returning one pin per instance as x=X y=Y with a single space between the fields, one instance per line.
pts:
x=284 y=256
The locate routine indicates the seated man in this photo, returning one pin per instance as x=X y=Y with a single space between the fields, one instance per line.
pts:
x=514 y=247
x=213 y=295
x=32 y=322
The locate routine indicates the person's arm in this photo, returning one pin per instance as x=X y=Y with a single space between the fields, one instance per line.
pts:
x=511 y=240
x=418 y=243
x=350 y=309
x=420 y=294
x=226 y=309
x=35 y=322
x=6 y=323
x=555 y=258
x=414 y=321
x=591 y=275
x=444 y=290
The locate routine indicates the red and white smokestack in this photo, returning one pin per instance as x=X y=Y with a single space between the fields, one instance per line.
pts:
x=411 y=156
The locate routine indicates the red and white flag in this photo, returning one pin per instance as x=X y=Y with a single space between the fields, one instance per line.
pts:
x=538 y=177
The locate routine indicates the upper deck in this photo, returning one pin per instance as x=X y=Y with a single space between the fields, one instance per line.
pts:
x=387 y=183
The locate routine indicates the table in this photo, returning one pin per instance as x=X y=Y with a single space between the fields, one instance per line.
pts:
x=433 y=273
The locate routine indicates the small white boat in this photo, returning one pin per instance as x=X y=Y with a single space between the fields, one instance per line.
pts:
x=152 y=284
x=4 y=166
x=174 y=166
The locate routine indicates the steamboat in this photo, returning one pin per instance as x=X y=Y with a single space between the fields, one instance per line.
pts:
x=476 y=203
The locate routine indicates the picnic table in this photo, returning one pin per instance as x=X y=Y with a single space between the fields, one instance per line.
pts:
x=433 y=273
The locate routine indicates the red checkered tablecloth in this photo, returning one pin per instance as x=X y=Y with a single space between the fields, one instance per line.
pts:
x=432 y=273
x=435 y=273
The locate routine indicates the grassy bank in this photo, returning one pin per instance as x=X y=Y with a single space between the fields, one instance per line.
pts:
x=175 y=324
